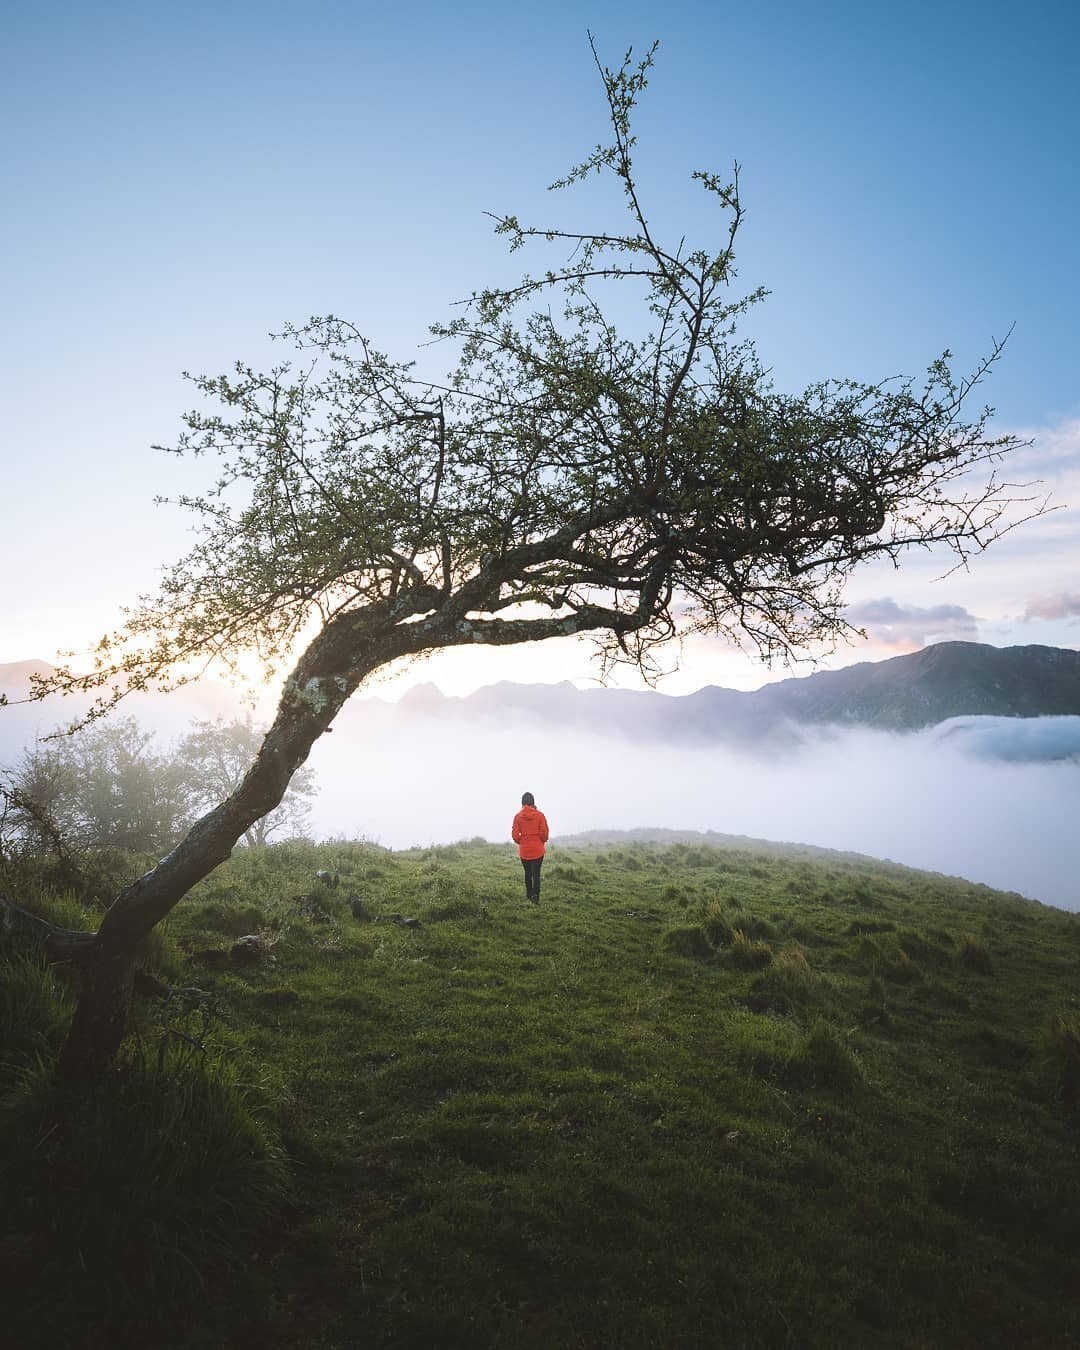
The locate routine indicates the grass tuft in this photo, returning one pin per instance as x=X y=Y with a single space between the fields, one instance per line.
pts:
x=975 y=955
x=1058 y=1056
x=35 y=1009
x=823 y=1058
x=746 y=953
x=690 y=942
x=790 y=985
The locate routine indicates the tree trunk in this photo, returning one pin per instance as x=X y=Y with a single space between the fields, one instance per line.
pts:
x=101 y=1016
x=313 y=695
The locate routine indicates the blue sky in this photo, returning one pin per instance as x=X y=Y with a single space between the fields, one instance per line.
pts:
x=179 y=182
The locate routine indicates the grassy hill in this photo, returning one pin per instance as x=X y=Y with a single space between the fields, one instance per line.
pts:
x=701 y=1096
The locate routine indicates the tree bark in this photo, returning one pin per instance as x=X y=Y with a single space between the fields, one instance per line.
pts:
x=101 y=1016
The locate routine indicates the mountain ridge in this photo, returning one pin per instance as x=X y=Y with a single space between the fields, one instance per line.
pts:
x=901 y=693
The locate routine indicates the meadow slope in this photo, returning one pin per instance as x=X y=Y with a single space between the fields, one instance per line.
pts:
x=700 y=1096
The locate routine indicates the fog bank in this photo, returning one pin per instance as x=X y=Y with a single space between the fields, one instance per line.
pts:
x=990 y=799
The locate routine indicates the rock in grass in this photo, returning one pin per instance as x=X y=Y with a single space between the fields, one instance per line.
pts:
x=356 y=906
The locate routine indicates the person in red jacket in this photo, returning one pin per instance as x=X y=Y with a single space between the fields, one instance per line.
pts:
x=530 y=832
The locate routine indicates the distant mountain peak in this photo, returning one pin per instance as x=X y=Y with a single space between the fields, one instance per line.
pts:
x=944 y=680
x=901 y=693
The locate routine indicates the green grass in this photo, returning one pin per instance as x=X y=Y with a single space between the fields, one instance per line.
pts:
x=699 y=1097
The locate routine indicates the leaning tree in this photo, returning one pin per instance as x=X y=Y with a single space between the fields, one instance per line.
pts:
x=569 y=476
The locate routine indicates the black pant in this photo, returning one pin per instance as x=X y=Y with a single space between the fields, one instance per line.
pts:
x=532 y=877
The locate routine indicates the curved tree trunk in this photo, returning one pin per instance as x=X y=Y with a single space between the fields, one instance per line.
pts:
x=310 y=701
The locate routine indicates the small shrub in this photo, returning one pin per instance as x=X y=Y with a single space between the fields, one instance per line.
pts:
x=975 y=954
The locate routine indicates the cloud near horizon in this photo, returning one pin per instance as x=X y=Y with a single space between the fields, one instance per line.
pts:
x=977 y=797
x=1013 y=740
x=909 y=627
x=1062 y=605
x=988 y=798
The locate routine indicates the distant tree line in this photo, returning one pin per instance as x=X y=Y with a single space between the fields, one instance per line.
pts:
x=109 y=786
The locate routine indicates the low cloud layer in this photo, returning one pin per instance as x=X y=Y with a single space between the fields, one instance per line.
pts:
x=1012 y=740
x=993 y=799
x=990 y=799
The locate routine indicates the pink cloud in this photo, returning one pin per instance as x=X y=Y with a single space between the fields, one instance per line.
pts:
x=908 y=627
x=1060 y=606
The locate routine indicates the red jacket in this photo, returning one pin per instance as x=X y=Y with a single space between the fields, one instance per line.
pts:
x=530 y=832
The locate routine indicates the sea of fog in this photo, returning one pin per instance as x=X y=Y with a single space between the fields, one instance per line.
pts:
x=991 y=799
